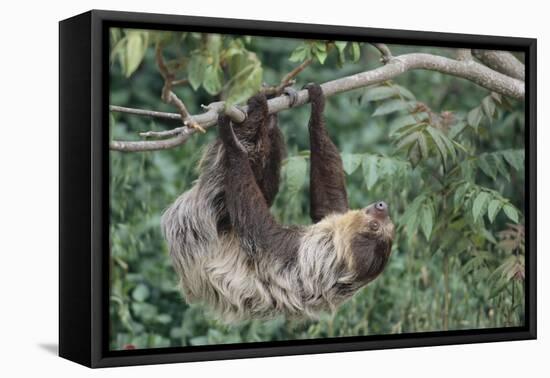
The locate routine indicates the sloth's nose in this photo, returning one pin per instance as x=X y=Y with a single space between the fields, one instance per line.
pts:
x=378 y=209
x=381 y=206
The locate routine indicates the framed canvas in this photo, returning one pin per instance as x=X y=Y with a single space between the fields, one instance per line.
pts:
x=235 y=188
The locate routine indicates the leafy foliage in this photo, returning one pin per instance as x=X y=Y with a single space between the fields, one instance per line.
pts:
x=454 y=180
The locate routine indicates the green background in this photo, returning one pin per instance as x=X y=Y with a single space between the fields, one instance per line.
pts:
x=456 y=191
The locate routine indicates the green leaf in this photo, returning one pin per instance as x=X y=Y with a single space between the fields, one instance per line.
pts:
x=199 y=340
x=370 y=171
x=340 y=46
x=140 y=292
x=493 y=209
x=351 y=162
x=387 y=166
x=409 y=129
x=246 y=79
x=515 y=158
x=235 y=48
x=378 y=93
x=439 y=143
x=118 y=49
x=486 y=167
x=164 y=318
x=415 y=155
x=404 y=92
x=319 y=50
x=426 y=220
x=457 y=129
x=213 y=47
x=355 y=52
x=407 y=120
x=390 y=106
x=498 y=288
x=479 y=204
x=450 y=145
x=500 y=166
x=511 y=213
x=196 y=70
x=296 y=169
x=422 y=145
x=135 y=51
x=488 y=236
x=321 y=46
x=213 y=80
x=112 y=120
x=460 y=193
x=300 y=53
x=144 y=310
x=408 y=140
x=488 y=106
x=474 y=117
x=410 y=218
x=320 y=55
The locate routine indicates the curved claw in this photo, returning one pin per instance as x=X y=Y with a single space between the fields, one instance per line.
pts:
x=292 y=96
x=227 y=135
x=313 y=88
x=316 y=95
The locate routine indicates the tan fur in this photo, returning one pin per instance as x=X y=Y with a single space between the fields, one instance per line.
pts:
x=214 y=269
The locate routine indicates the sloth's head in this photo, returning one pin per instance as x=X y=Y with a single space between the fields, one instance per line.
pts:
x=370 y=241
x=377 y=222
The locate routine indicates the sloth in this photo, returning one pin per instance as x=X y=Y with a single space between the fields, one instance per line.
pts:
x=231 y=254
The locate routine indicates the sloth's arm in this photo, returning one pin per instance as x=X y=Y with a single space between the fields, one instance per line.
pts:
x=245 y=203
x=327 y=181
x=265 y=145
x=269 y=184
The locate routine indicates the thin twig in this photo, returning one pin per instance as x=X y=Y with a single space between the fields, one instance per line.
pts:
x=287 y=80
x=384 y=51
x=170 y=97
x=145 y=112
x=289 y=77
x=175 y=83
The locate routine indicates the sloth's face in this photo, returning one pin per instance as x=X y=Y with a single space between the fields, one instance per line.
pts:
x=371 y=243
x=377 y=221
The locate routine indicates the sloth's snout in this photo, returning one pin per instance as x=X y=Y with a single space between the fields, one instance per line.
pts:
x=378 y=209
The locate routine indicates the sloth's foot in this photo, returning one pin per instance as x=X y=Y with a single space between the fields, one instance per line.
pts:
x=316 y=95
x=292 y=96
x=228 y=137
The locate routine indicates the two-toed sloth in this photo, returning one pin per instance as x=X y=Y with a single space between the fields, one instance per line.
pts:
x=231 y=253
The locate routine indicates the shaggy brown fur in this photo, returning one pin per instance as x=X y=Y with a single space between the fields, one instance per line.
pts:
x=231 y=253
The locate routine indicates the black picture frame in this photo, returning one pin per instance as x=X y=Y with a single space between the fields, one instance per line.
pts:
x=84 y=192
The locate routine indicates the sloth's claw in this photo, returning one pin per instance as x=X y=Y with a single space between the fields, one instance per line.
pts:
x=292 y=96
x=314 y=88
x=227 y=135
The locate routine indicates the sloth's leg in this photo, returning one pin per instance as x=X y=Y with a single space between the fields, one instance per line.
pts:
x=327 y=180
x=248 y=210
x=264 y=144
x=254 y=127
x=274 y=147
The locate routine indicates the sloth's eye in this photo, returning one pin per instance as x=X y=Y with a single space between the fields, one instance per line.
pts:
x=374 y=225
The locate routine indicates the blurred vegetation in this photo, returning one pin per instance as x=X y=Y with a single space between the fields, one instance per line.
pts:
x=447 y=155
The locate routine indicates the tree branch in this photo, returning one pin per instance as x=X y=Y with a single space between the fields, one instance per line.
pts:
x=463 y=54
x=288 y=79
x=470 y=70
x=170 y=97
x=502 y=61
x=384 y=51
